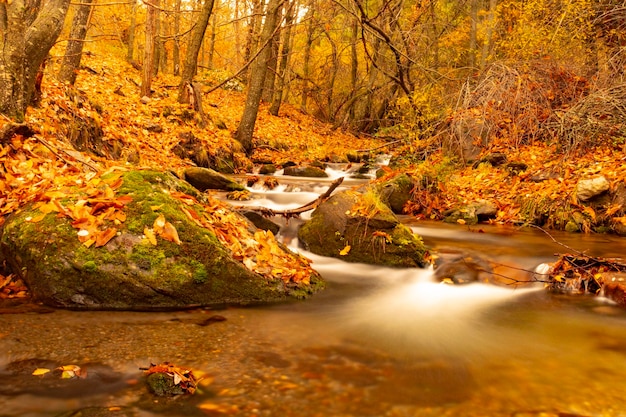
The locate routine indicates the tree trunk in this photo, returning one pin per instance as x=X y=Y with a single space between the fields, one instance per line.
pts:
x=354 y=67
x=131 y=32
x=284 y=60
x=213 y=35
x=237 y=28
x=306 y=64
x=157 y=45
x=31 y=30
x=176 y=49
x=190 y=66
x=272 y=62
x=148 y=55
x=255 y=89
x=254 y=22
x=473 y=42
x=74 y=49
x=488 y=45
x=165 y=32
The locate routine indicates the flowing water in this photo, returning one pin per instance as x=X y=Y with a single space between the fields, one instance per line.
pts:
x=376 y=342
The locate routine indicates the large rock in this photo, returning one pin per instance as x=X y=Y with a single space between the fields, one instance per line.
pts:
x=475 y=212
x=309 y=171
x=207 y=179
x=397 y=192
x=360 y=228
x=131 y=272
x=590 y=188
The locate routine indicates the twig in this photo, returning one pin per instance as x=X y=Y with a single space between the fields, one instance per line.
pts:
x=557 y=242
x=54 y=151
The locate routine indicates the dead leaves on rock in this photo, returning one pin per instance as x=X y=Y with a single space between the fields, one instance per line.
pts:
x=580 y=274
x=182 y=378
x=259 y=252
x=95 y=215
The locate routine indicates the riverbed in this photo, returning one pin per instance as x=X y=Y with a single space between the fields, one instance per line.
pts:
x=376 y=342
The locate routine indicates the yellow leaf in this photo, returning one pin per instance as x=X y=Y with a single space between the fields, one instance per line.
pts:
x=38 y=218
x=460 y=221
x=558 y=278
x=40 y=371
x=149 y=234
x=345 y=250
x=68 y=375
x=159 y=224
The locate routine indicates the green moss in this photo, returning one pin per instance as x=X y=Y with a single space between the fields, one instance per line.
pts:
x=571 y=227
x=90 y=266
x=147 y=257
x=199 y=274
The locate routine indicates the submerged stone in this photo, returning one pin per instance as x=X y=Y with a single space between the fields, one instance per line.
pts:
x=130 y=272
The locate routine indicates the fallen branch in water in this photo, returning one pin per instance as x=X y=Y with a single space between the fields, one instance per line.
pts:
x=267 y=212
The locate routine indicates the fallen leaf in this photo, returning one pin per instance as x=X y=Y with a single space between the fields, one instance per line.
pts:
x=149 y=234
x=159 y=224
x=41 y=371
x=345 y=250
x=102 y=238
x=169 y=233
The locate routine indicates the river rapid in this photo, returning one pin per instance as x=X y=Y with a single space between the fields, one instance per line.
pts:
x=377 y=342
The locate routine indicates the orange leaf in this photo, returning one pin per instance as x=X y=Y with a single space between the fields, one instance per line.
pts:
x=102 y=238
x=169 y=233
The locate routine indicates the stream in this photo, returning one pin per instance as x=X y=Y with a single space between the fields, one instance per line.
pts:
x=377 y=342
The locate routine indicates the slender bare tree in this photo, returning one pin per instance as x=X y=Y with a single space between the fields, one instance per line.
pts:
x=74 y=49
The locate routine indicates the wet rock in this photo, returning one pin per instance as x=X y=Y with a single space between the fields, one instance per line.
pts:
x=462 y=268
x=267 y=169
x=207 y=179
x=129 y=272
x=397 y=192
x=17 y=379
x=614 y=289
x=261 y=222
x=359 y=227
x=590 y=188
x=480 y=210
x=162 y=385
x=310 y=171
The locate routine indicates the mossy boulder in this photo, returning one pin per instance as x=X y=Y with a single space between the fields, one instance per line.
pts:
x=131 y=273
x=207 y=179
x=310 y=171
x=359 y=227
x=397 y=192
x=473 y=213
